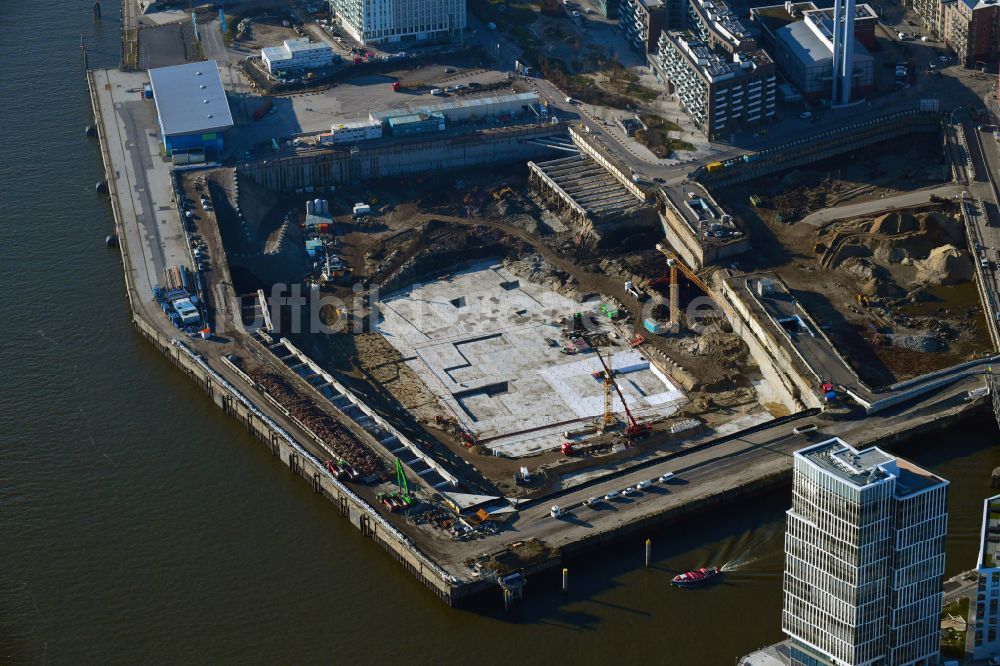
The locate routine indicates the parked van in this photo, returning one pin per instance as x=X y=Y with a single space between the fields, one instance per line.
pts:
x=612 y=495
x=592 y=501
x=666 y=477
x=437 y=91
x=642 y=485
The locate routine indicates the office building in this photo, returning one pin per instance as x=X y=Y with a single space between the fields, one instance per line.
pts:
x=192 y=110
x=642 y=21
x=986 y=643
x=864 y=558
x=352 y=132
x=800 y=39
x=392 y=21
x=296 y=55
x=723 y=92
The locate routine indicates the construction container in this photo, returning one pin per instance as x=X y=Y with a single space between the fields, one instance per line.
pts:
x=654 y=327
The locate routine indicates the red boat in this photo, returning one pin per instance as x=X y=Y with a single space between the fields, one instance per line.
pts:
x=696 y=577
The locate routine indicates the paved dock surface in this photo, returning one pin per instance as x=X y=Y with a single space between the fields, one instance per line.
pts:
x=142 y=177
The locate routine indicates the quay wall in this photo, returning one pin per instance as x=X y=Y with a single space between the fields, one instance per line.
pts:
x=278 y=441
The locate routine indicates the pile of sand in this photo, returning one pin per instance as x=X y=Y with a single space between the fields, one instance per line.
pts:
x=946 y=264
x=899 y=222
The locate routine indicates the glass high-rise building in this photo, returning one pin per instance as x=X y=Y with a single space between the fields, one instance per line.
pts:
x=986 y=614
x=864 y=558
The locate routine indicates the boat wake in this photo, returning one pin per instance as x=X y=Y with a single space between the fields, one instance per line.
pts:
x=750 y=548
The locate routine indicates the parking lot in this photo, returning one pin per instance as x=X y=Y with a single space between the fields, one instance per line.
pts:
x=313 y=112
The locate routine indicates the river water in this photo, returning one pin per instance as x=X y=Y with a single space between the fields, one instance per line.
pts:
x=139 y=525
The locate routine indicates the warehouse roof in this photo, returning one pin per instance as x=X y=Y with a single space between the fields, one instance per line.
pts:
x=190 y=98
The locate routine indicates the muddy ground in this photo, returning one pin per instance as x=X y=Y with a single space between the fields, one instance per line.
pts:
x=424 y=228
x=893 y=292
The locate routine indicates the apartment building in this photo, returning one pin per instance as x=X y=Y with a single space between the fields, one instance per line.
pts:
x=864 y=558
x=642 y=21
x=931 y=14
x=392 y=21
x=723 y=92
x=715 y=24
x=970 y=30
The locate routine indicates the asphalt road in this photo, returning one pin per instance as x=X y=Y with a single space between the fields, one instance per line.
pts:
x=698 y=475
x=904 y=200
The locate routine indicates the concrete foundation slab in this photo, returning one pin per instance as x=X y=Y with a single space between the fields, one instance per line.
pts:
x=488 y=346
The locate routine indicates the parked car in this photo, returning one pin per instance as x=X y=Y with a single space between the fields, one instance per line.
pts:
x=614 y=494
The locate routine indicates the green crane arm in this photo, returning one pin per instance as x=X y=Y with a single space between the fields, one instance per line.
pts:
x=401 y=478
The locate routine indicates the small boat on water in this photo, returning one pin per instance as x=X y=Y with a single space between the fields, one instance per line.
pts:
x=696 y=577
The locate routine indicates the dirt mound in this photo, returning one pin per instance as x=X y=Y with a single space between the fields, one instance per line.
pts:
x=896 y=248
x=946 y=264
x=862 y=268
x=721 y=345
x=256 y=202
x=900 y=222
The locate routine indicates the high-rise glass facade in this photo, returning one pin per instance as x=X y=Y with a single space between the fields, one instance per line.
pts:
x=864 y=558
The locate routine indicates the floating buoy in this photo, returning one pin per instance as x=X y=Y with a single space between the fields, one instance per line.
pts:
x=90 y=130
x=102 y=186
x=111 y=240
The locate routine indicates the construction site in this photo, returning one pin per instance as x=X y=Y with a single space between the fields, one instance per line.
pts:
x=891 y=284
x=467 y=346
x=501 y=345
